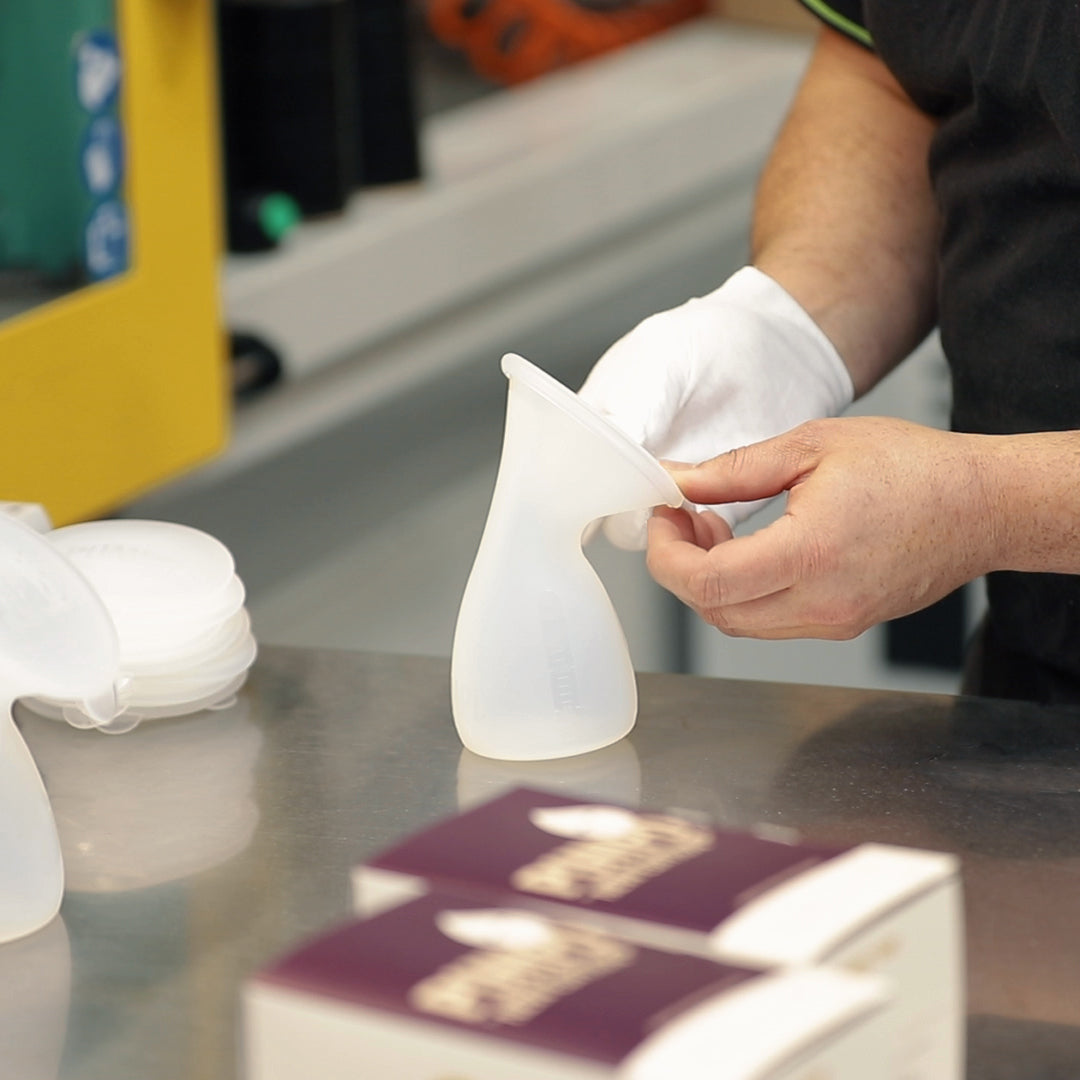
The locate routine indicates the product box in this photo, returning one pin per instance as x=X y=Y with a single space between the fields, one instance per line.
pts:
x=441 y=988
x=669 y=882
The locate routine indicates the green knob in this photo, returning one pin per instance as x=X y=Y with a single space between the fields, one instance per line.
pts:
x=278 y=213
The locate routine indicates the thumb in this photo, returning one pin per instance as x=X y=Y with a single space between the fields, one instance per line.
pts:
x=747 y=473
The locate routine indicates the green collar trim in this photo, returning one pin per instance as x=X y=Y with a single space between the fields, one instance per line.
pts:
x=840 y=22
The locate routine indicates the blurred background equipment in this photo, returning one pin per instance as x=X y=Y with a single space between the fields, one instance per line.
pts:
x=512 y=41
x=388 y=147
x=287 y=100
x=62 y=212
x=113 y=352
x=317 y=100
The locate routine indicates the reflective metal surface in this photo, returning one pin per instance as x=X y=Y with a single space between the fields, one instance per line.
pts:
x=197 y=849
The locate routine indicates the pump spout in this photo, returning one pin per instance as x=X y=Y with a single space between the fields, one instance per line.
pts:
x=540 y=667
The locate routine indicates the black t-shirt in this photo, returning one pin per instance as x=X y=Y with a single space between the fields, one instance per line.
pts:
x=1003 y=79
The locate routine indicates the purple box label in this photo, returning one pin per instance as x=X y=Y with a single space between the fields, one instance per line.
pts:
x=507 y=973
x=656 y=867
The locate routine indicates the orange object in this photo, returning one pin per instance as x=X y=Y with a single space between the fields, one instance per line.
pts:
x=512 y=41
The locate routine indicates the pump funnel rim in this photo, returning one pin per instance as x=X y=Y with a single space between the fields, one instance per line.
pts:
x=553 y=391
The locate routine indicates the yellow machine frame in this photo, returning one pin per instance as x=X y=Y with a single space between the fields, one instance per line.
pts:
x=120 y=385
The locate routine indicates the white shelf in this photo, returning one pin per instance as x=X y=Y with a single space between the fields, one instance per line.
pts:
x=519 y=181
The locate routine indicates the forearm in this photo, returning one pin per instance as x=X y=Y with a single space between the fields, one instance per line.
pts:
x=845 y=218
x=1032 y=498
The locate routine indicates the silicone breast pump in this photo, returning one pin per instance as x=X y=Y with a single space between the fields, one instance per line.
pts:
x=540 y=666
x=56 y=638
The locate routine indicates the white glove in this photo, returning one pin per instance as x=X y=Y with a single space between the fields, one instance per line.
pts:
x=742 y=364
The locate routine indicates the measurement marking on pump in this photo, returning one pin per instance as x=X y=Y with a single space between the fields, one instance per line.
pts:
x=560 y=657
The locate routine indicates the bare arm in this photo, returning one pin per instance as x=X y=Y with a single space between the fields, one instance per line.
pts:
x=883 y=517
x=845 y=218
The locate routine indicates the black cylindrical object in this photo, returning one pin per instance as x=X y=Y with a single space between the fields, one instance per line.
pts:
x=289 y=99
x=387 y=145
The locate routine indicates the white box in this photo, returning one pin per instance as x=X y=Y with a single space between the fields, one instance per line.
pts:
x=673 y=883
x=440 y=987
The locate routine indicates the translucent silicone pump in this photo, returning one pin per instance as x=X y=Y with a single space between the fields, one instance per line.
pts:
x=57 y=639
x=540 y=666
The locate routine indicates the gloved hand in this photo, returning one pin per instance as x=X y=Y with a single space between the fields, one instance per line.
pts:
x=741 y=364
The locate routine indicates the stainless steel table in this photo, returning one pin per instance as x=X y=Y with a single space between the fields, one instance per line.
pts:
x=199 y=848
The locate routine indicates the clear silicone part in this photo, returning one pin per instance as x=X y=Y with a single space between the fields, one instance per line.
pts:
x=185 y=613
x=204 y=647
x=176 y=691
x=208 y=697
x=56 y=638
x=186 y=685
x=178 y=694
x=231 y=652
x=153 y=636
x=141 y=567
x=167 y=587
x=540 y=667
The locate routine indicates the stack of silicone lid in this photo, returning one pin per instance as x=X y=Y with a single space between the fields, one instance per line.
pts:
x=177 y=604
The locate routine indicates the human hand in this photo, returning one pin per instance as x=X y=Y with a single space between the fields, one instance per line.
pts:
x=731 y=368
x=883 y=517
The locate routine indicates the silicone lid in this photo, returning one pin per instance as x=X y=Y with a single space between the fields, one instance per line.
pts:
x=209 y=696
x=179 y=684
x=142 y=567
x=181 y=634
x=167 y=587
x=218 y=698
x=178 y=692
x=201 y=649
x=204 y=697
x=201 y=612
x=161 y=644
